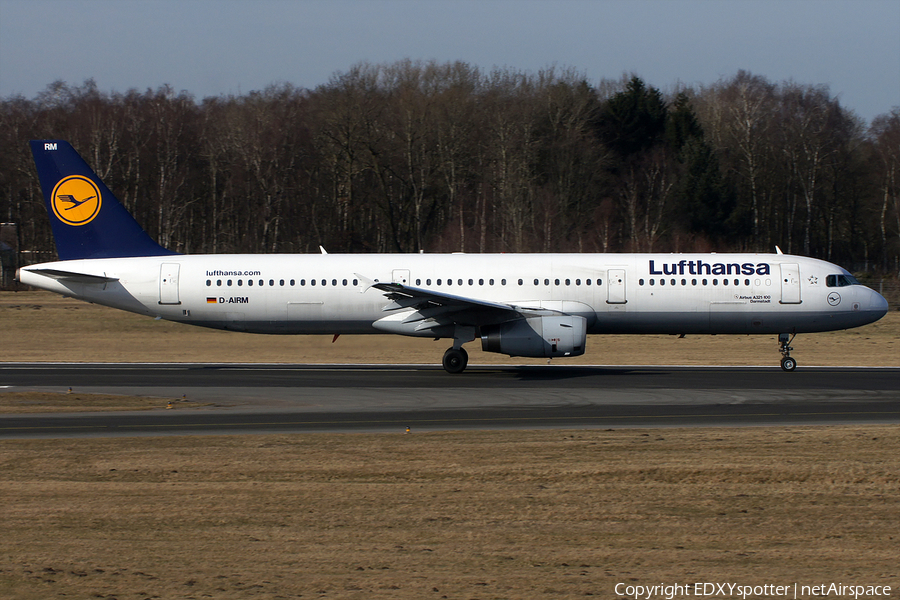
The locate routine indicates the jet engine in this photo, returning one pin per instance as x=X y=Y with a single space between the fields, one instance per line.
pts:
x=537 y=337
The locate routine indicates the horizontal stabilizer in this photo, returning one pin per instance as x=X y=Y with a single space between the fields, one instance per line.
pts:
x=69 y=276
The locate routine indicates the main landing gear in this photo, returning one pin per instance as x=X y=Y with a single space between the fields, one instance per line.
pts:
x=455 y=360
x=787 y=363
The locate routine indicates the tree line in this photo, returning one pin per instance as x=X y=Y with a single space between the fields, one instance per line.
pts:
x=443 y=157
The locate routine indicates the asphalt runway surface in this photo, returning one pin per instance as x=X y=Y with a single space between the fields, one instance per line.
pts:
x=254 y=398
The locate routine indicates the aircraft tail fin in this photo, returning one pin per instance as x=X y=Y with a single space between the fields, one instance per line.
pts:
x=87 y=220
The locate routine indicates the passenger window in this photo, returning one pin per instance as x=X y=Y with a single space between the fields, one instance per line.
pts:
x=693 y=282
x=568 y=282
x=704 y=282
x=520 y=282
x=684 y=282
x=208 y=282
x=715 y=282
x=219 y=282
x=652 y=282
x=459 y=282
x=261 y=283
x=587 y=282
x=577 y=282
x=250 y=282
x=480 y=282
x=334 y=282
x=356 y=282
x=427 y=282
x=271 y=282
x=503 y=282
x=536 y=282
x=439 y=282
x=662 y=282
x=672 y=282
x=281 y=283
x=547 y=281
x=228 y=283
x=640 y=282
x=292 y=282
x=344 y=283
x=240 y=282
x=556 y=282
x=312 y=282
x=302 y=283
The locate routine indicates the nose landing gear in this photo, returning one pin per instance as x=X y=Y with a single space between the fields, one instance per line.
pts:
x=787 y=363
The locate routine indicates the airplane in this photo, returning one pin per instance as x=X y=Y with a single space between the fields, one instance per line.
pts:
x=521 y=305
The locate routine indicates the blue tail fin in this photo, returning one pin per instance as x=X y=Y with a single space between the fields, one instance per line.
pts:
x=87 y=220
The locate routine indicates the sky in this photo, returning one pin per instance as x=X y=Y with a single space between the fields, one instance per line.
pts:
x=215 y=47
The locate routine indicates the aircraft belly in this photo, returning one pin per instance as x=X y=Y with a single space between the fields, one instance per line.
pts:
x=652 y=322
x=722 y=320
x=292 y=327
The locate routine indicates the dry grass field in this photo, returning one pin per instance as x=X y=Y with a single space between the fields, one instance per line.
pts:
x=40 y=326
x=475 y=515
x=481 y=515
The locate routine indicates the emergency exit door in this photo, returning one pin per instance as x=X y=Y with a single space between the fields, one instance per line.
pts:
x=400 y=276
x=790 y=284
x=168 y=283
x=615 y=286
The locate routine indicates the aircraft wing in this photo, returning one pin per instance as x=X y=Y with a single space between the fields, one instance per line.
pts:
x=404 y=296
x=420 y=304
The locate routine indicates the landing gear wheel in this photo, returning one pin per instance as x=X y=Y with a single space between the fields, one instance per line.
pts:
x=455 y=360
x=788 y=363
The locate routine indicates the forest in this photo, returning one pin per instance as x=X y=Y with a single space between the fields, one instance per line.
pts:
x=420 y=156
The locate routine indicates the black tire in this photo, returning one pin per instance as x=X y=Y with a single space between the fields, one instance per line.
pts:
x=788 y=363
x=455 y=361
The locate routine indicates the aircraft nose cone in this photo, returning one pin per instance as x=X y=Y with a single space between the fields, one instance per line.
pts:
x=878 y=304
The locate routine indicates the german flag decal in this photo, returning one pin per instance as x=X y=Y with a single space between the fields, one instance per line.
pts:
x=211 y=300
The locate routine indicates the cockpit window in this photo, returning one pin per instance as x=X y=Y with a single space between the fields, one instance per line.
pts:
x=840 y=280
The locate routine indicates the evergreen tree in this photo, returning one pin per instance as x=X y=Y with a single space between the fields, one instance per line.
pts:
x=634 y=120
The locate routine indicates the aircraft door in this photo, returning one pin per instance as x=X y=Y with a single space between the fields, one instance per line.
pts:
x=168 y=283
x=790 y=284
x=400 y=276
x=615 y=283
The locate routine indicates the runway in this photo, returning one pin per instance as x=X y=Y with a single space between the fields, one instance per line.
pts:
x=251 y=398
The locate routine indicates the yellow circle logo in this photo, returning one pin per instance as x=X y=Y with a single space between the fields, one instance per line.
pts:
x=76 y=200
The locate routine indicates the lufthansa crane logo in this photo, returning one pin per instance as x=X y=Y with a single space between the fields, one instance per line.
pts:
x=834 y=298
x=76 y=200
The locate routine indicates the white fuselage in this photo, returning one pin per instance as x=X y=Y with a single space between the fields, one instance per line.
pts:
x=615 y=293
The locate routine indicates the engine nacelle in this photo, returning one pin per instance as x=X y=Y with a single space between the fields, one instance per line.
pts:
x=537 y=337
